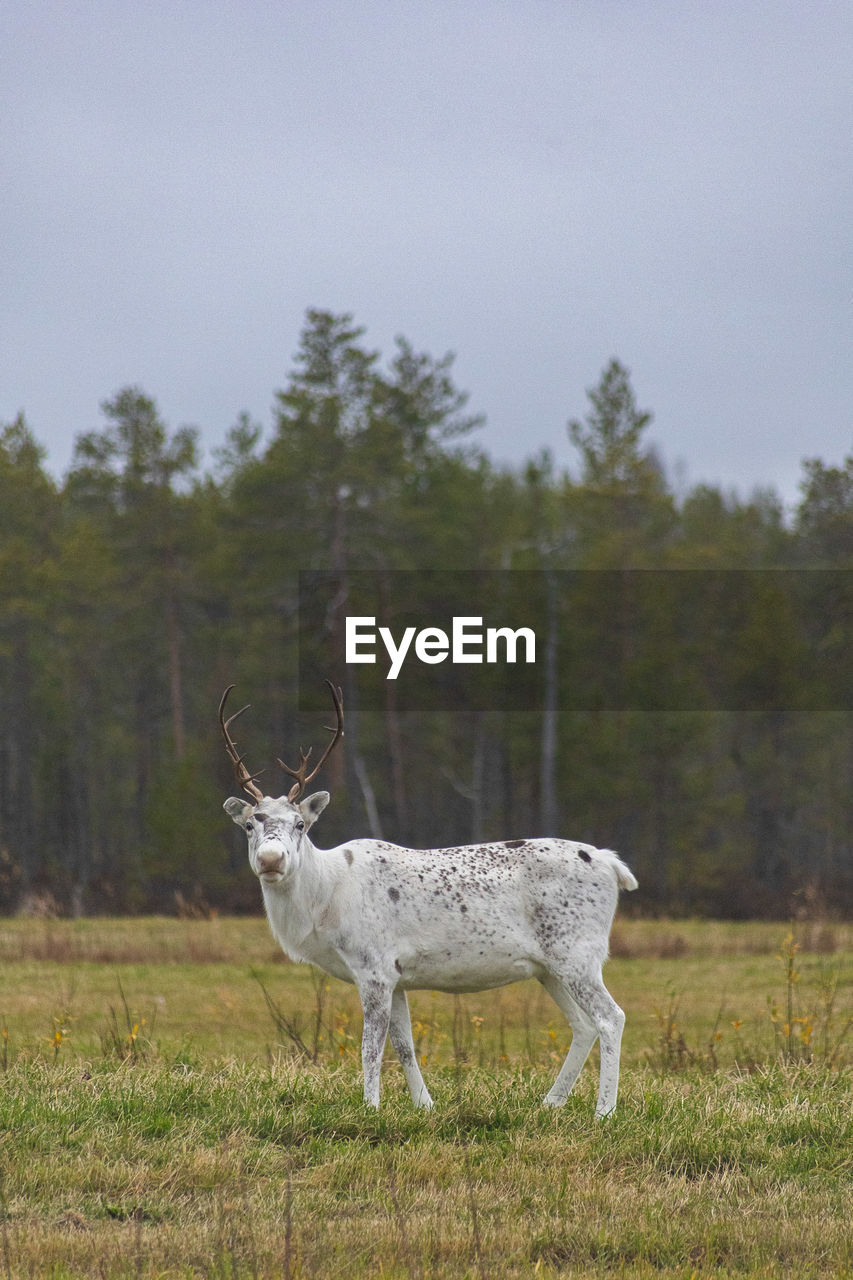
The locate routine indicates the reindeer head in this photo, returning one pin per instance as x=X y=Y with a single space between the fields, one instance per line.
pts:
x=275 y=826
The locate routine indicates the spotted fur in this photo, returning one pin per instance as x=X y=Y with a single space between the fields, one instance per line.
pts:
x=467 y=918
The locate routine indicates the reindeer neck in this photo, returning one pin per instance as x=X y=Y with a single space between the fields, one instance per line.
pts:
x=294 y=905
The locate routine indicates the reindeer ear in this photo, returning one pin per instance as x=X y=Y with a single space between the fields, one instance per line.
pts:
x=312 y=806
x=237 y=810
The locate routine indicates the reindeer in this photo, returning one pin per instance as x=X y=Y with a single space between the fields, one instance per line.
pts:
x=468 y=918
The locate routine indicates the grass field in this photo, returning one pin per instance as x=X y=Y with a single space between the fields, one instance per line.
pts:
x=176 y=1101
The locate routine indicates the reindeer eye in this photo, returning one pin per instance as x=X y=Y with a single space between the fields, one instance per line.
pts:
x=249 y=827
x=300 y=826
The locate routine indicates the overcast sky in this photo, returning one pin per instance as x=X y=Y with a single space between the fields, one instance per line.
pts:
x=537 y=185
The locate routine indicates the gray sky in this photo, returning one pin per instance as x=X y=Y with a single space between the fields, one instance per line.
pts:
x=537 y=185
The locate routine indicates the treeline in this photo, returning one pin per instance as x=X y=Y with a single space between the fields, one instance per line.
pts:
x=133 y=592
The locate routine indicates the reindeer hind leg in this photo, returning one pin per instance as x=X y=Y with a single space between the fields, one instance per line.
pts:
x=594 y=1015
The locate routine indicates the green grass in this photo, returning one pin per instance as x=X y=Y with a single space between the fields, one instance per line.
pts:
x=200 y=1143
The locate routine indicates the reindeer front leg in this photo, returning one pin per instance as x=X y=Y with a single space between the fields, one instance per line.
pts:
x=376 y=1003
x=401 y=1038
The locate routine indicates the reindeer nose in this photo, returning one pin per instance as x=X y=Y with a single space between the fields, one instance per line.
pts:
x=270 y=860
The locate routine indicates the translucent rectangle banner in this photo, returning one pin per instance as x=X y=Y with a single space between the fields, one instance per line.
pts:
x=638 y=640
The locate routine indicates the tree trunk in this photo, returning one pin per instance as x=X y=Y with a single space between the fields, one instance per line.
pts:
x=549 y=811
x=395 y=749
x=173 y=643
x=373 y=823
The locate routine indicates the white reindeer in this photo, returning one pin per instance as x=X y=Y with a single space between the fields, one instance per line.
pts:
x=468 y=918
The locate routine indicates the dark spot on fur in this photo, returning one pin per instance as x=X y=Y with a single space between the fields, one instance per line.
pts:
x=582 y=854
x=348 y=856
x=398 y=966
x=393 y=894
x=514 y=844
x=463 y=907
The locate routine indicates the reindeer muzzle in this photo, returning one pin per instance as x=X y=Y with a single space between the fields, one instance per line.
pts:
x=270 y=861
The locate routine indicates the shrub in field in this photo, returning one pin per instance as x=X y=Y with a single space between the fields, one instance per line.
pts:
x=805 y=1026
x=128 y=1040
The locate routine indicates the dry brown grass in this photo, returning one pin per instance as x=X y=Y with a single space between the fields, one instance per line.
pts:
x=246 y=940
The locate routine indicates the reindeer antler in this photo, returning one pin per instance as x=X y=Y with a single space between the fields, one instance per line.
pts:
x=302 y=779
x=245 y=779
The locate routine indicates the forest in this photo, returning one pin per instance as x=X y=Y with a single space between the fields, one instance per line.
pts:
x=145 y=582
